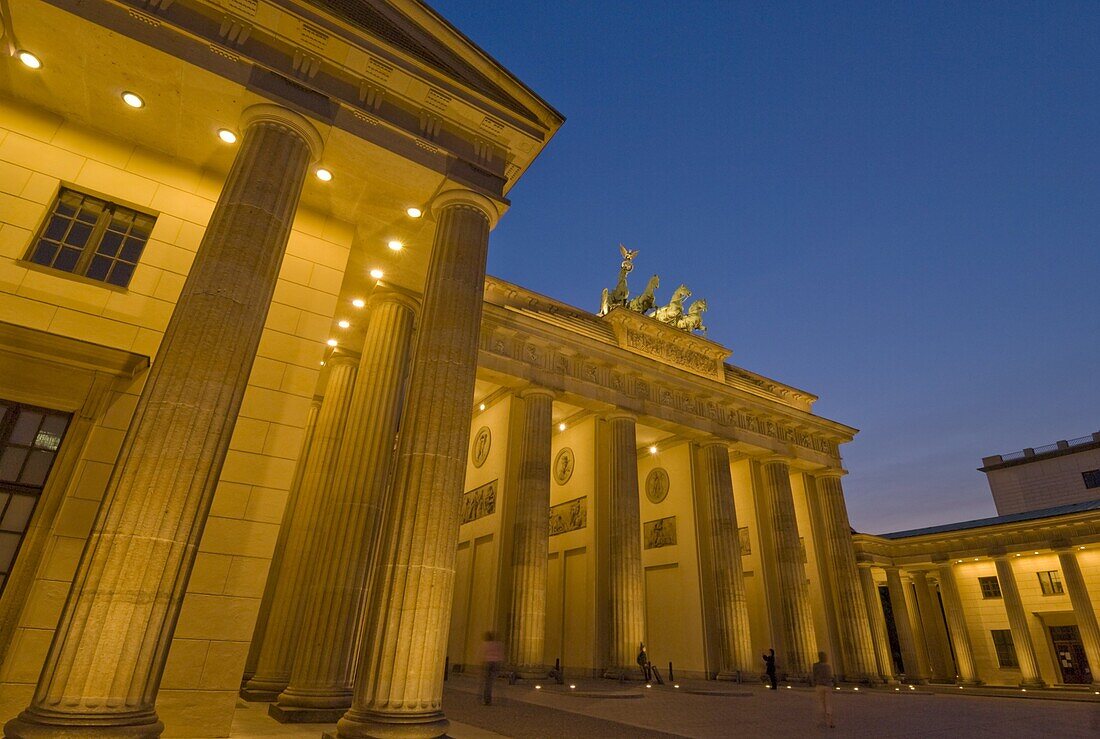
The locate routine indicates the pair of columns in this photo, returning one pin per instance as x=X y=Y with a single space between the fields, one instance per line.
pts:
x=102 y=673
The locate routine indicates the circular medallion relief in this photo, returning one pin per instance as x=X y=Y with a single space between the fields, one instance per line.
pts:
x=479 y=450
x=656 y=485
x=563 y=466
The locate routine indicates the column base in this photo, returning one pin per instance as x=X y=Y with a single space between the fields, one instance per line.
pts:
x=295 y=715
x=733 y=676
x=262 y=690
x=377 y=725
x=39 y=724
x=528 y=672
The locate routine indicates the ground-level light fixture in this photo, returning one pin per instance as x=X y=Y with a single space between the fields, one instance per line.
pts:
x=133 y=99
x=376 y=274
x=358 y=302
x=395 y=245
x=323 y=174
x=227 y=136
x=344 y=324
x=29 y=60
x=413 y=212
x=332 y=342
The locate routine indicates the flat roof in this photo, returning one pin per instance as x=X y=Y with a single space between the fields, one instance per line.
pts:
x=1089 y=505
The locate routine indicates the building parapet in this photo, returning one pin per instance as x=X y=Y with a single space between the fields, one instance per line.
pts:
x=1058 y=448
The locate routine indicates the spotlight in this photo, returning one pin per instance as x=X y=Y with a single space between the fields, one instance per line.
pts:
x=133 y=100
x=332 y=342
x=395 y=245
x=227 y=136
x=344 y=324
x=323 y=174
x=29 y=60
x=538 y=687
x=561 y=426
x=376 y=274
x=358 y=302
x=481 y=407
x=653 y=449
x=414 y=212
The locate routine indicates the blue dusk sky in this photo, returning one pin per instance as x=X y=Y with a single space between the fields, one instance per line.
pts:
x=895 y=206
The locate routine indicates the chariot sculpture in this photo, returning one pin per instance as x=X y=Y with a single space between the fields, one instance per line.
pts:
x=672 y=314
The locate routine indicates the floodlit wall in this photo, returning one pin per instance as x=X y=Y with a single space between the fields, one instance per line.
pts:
x=38 y=154
x=1044 y=483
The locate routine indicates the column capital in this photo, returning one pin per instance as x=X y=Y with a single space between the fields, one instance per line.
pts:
x=837 y=472
x=775 y=459
x=711 y=441
x=532 y=391
x=343 y=356
x=618 y=415
x=461 y=197
x=392 y=294
x=269 y=112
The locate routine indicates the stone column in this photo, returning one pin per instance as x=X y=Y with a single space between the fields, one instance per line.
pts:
x=103 y=669
x=858 y=656
x=288 y=603
x=725 y=551
x=346 y=531
x=1017 y=621
x=877 y=621
x=276 y=566
x=626 y=587
x=531 y=536
x=956 y=622
x=1082 y=609
x=796 y=621
x=399 y=689
x=932 y=625
x=916 y=669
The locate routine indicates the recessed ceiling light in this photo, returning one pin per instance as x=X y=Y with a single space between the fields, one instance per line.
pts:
x=358 y=302
x=653 y=449
x=133 y=100
x=396 y=245
x=323 y=174
x=481 y=407
x=376 y=274
x=322 y=363
x=414 y=212
x=29 y=60
x=561 y=426
x=344 y=324
x=227 y=136
x=332 y=342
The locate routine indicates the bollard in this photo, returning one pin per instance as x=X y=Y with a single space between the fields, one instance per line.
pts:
x=671 y=678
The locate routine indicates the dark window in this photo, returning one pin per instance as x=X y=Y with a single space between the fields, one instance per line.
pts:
x=29 y=440
x=1050 y=582
x=744 y=541
x=990 y=587
x=92 y=237
x=1006 y=650
x=1092 y=478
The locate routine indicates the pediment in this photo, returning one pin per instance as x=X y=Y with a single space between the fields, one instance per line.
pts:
x=414 y=29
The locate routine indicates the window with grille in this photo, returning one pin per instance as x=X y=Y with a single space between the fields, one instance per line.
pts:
x=990 y=587
x=29 y=440
x=1050 y=582
x=92 y=237
x=1092 y=478
x=1006 y=650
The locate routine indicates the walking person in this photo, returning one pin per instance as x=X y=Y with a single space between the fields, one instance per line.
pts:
x=492 y=657
x=823 y=681
x=769 y=668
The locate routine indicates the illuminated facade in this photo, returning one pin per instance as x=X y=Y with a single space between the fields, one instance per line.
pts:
x=270 y=430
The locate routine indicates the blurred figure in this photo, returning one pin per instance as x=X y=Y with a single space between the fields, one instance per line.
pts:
x=769 y=667
x=643 y=662
x=492 y=657
x=823 y=681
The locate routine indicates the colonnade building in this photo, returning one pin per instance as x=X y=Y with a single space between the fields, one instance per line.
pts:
x=267 y=429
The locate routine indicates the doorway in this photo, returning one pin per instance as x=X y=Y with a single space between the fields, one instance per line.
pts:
x=1070 y=655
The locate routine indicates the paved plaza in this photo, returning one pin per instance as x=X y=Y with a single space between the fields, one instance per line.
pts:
x=600 y=709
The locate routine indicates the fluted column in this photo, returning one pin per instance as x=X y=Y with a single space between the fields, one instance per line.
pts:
x=1017 y=621
x=277 y=559
x=288 y=603
x=932 y=626
x=877 y=620
x=399 y=689
x=103 y=669
x=956 y=622
x=626 y=621
x=725 y=549
x=916 y=667
x=346 y=531
x=796 y=620
x=1082 y=609
x=531 y=536
x=851 y=611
